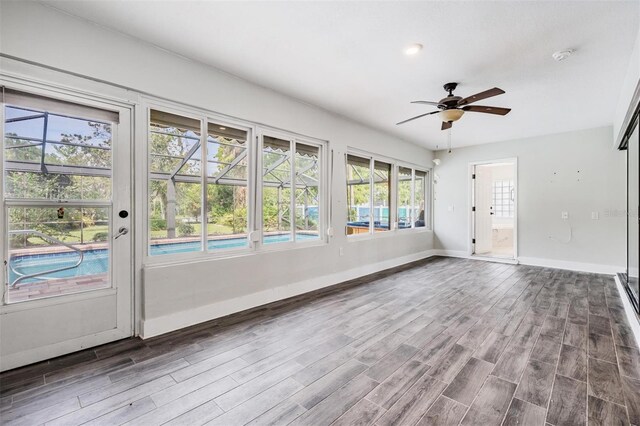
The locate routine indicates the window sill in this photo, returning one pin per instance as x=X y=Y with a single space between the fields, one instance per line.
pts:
x=386 y=234
x=196 y=257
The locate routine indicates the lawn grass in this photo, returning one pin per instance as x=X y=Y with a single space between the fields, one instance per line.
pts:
x=89 y=232
x=212 y=229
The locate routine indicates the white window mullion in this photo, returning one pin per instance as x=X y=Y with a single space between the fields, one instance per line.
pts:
x=253 y=183
x=5 y=241
x=292 y=191
x=412 y=216
x=393 y=197
x=372 y=192
x=204 y=173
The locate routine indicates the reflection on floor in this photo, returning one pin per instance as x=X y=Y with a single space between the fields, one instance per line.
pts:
x=501 y=252
x=475 y=343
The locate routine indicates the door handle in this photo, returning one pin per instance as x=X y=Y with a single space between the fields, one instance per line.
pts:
x=122 y=231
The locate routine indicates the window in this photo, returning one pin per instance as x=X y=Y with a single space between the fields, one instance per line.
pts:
x=290 y=190
x=368 y=195
x=227 y=187
x=412 y=198
x=503 y=198
x=57 y=196
x=381 y=195
x=175 y=184
x=358 y=195
x=405 y=189
x=56 y=157
x=419 y=199
x=202 y=186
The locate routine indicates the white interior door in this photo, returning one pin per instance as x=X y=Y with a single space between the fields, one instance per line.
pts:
x=483 y=209
x=66 y=164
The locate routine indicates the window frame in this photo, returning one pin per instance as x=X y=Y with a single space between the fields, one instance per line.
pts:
x=204 y=117
x=394 y=195
x=254 y=184
x=323 y=194
x=428 y=201
x=250 y=148
x=370 y=158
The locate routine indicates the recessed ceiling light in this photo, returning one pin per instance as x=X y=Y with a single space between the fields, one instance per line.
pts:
x=413 y=49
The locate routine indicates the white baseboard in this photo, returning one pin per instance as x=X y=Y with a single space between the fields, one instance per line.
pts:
x=628 y=309
x=538 y=261
x=164 y=324
x=451 y=253
x=464 y=255
x=571 y=265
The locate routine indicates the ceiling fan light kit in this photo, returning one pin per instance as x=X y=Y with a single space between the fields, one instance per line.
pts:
x=450 y=115
x=452 y=108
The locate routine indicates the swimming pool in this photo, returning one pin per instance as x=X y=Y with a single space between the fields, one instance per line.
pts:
x=97 y=261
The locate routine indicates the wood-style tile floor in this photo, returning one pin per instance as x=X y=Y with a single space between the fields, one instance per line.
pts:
x=444 y=341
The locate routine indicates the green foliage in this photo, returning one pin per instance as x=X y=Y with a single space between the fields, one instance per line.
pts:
x=100 y=236
x=185 y=229
x=158 y=224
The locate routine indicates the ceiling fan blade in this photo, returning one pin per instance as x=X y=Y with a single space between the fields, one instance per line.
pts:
x=487 y=109
x=446 y=125
x=482 y=95
x=427 y=103
x=418 y=116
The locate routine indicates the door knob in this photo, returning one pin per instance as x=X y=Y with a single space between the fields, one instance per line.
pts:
x=122 y=231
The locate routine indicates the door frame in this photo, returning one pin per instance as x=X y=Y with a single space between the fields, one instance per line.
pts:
x=41 y=81
x=471 y=216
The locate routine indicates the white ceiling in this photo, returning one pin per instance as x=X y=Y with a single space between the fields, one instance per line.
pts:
x=348 y=56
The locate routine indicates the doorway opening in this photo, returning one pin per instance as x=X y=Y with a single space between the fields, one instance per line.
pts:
x=494 y=209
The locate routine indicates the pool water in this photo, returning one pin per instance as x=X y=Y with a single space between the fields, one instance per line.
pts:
x=94 y=262
x=97 y=261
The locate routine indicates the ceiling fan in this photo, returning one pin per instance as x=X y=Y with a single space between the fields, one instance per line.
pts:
x=452 y=108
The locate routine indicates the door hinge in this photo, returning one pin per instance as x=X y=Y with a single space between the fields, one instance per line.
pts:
x=473 y=176
x=473 y=241
x=473 y=209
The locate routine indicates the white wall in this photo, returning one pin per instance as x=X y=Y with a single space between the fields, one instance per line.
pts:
x=577 y=172
x=179 y=295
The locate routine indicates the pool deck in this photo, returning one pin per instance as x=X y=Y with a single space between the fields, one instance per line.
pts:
x=49 y=288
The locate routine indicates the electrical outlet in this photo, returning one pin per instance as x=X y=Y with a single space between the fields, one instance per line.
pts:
x=341 y=251
x=595 y=216
x=565 y=215
x=450 y=208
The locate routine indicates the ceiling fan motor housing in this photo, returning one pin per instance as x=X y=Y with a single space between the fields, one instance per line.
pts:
x=450 y=101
